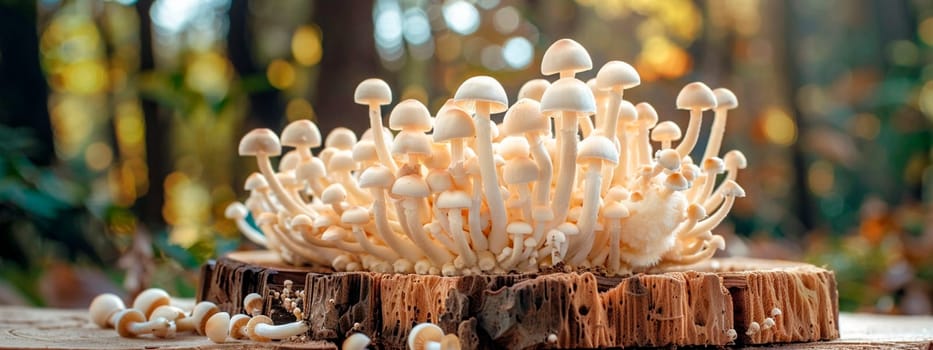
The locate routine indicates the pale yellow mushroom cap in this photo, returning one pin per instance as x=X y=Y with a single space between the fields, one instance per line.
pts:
x=410 y=115
x=519 y=228
x=565 y=55
x=568 y=94
x=376 y=176
x=696 y=212
x=218 y=327
x=333 y=194
x=598 y=148
x=453 y=123
x=732 y=188
x=725 y=98
x=125 y=319
x=676 y=182
x=533 y=89
x=411 y=186
x=340 y=138
x=355 y=216
x=735 y=159
x=150 y=299
x=412 y=143
x=482 y=89
x=423 y=333
x=513 y=146
x=647 y=115
x=371 y=91
x=519 y=171
x=356 y=341
x=341 y=161
x=669 y=159
x=525 y=117
x=616 y=211
x=251 y=327
x=627 y=112
x=365 y=151
x=439 y=181
x=237 y=323
x=255 y=181
x=260 y=142
x=666 y=131
x=696 y=95
x=714 y=165
x=453 y=200
x=103 y=307
x=617 y=75
x=301 y=133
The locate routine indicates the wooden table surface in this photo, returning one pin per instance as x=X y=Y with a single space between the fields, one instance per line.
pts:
x=32 y=328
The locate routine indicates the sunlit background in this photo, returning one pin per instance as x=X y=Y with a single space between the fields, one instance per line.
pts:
x=119 y=119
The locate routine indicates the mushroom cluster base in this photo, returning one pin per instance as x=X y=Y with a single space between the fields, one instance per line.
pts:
x=731 y=301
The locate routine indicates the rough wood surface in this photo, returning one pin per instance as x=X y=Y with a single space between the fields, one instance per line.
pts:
x=701 y=305
x=32 y=328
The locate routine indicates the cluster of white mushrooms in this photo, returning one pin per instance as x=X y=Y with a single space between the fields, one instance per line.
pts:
x=456 y=194
x=152 y=313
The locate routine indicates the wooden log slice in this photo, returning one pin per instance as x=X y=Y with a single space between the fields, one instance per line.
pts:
x=720 y=302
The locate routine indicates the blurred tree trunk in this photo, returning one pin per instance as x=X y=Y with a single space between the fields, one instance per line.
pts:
x=264 y=105
x=158 y=154
x=802 y=200
x=349 y=56
x=23 y=90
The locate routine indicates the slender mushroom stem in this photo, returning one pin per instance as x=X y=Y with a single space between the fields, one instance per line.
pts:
x=615 y=232
x=497 y=237
x=436 y=254
x=542 y=187
x=693 y=131
x=590 y=209
x=265 y=167
x=375 y=123
x=715 y=219
x=384 y=232
x=567 y=170
x=480 y=243
x=455 y=218
x=383 y=253
x=237 y=212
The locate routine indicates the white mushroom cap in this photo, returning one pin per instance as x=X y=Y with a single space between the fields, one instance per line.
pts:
x=125 y=318
x=617 y=75
x=218 y=327
x=618 y=193
x=696 y=212
x=597 y=148
x=519 y=171
x=423 y=333
x=150 y=299
x=615 y=211
x=714 y=165
x=569 y=229
x=513 y=146
x=725 y=99
x=260 y=141
x=676 y=182
x=647 y=115
x=355 y=216
x=340 y=138
x=333 y=194
x=525 y=116
x=201 y=313
x=453 y=123
x=251 y=327
x=533 y=89
x=666 y=131
x=627 y=112
x=310 y=170
x=356 y=341
x=237 y=323
x=289 y=161
x=255 y=181
x=565 y=55
x=669 y=159
x=736 y=159
x=341 y=161
x=455 y=199
x=519 y=227
x=411 y=186
x=365 y=151
x=300 y=221
x=287 y=179
x=568 y=94
x=103 y=307
x=439 y=181
x=253 y=302
x=301 y=133
x=372 y=91
x=412 y=143
x=376 y=176
x=410 y=115
x=335 y=233
x=696 y=95
x=482 y=89
x=731 y=188
x=690 y=171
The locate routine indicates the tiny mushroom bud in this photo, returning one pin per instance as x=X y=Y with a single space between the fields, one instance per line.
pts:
x=260 y=328
x=696 y=97
x=150 y=299
x=103 y=308
x=753 y=328
x=775 y=312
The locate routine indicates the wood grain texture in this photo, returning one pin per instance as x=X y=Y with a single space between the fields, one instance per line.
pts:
x=701 y=305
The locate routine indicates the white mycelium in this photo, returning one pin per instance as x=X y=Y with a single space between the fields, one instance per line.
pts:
x=455 y=194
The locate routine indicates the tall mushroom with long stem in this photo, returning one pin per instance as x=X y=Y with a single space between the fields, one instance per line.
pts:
x=525 y=118
x=647 y=119
x=485 y=95
x=263 y=143
x=378 y=179
x=375 y=93
x=614 y=77
x=566 y=58
x=453 y=202
x=725 y=100
x=627 y=113
x=412 y=189
x=567 y=98
x=696 y=97
x=595 y=151
x=453 y=125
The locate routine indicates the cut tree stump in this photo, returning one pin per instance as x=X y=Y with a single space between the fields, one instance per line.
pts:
x=715 y=303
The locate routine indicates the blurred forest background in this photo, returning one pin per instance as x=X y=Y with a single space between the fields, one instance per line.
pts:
x=119 y=119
